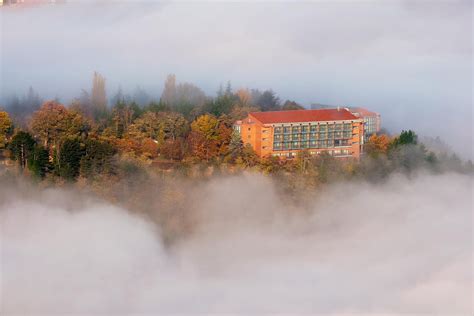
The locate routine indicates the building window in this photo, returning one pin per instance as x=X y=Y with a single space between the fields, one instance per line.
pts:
x=286 y=130
x=278 y=130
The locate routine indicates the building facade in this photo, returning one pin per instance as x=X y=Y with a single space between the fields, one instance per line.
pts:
x=285 y=133
x=372 y=121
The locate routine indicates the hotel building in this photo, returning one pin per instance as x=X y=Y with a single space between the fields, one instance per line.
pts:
x=285 y=133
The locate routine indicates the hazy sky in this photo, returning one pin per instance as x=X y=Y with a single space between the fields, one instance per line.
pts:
x=411 y=61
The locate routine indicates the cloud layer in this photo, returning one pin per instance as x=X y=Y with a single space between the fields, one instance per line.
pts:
x=401 y=247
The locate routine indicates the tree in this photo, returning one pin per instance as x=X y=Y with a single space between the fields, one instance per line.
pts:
x=83 y=105
x=39 y=163
x=6 y=128
x=221 y=105
x=98 y=96
x=173 y=125
x=53 y=122
x=291 y=105
x=236 y=146
x=406 y=138
x=22 y=146
x=141 y=97
x=243 y=97
x=204 y=137
x=123 y=115
x=157 y=107
x=168 y=95
x=97 y=158
x=146 y=126
x=377 y=145
x=69 y=160
x=268 y=101
x=225 y=132
x=21 y=109
x=173 y=149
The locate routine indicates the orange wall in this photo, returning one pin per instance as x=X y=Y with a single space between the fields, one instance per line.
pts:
x=260 y=137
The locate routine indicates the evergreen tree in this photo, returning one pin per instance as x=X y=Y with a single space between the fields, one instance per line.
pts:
x=69 y=160
x=22 y=146
x=39 y=162
x=97 y=158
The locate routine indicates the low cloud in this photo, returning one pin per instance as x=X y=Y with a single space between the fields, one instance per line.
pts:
x=401 y=247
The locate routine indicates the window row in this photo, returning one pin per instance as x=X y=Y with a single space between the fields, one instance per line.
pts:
x=313 y=136
x=343 y=152
x=312 y=128
x=310 y=144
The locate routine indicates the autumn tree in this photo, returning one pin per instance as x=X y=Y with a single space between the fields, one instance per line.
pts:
x=123 y=114
x=204 y=137
x=53 y=122
x=146 y=126
x=6 y=128
x=377 y=145
x=244 y=98
x=173 y=125
x=157 y=129
x=225 y=131
x=173 y=149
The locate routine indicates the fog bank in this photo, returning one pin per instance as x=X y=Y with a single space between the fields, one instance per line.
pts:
x=397 y=248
